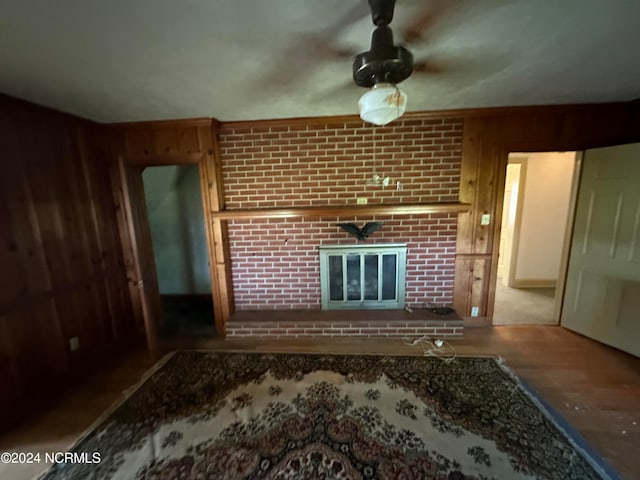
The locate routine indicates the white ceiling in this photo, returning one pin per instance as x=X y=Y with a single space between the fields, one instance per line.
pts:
x=126 y=60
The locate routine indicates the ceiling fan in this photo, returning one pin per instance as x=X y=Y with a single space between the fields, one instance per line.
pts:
x=386 y=64
x=381 y=69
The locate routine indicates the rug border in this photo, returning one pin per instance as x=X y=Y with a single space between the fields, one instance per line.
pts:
x=124 y=396
x=576 y=440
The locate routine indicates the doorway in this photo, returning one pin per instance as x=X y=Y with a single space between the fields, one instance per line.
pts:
x=177 y=225
x=533 y=251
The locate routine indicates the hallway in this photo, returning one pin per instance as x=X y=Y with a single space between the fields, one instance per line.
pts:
x=524 y=306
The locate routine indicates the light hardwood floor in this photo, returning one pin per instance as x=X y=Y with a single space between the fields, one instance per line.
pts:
x=594 y=387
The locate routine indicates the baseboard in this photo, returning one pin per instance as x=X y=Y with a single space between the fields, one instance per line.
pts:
x=476 y=322
x=534 y=283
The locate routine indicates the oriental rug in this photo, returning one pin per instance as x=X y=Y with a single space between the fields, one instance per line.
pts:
x=207 y=415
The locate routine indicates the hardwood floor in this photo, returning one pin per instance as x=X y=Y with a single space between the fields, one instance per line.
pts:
x=594 y=387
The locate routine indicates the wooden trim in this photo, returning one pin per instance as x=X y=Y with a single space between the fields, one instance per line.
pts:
x=568 y=236
x=148 y=124
x=341 y=210
x=501 y=162
x=453 y=113
x=162 y=159
x=217 y=239
x=218 y=246
x=517 y=226
x=278 y=122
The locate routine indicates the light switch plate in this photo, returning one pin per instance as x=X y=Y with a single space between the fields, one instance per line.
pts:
x=485 y=219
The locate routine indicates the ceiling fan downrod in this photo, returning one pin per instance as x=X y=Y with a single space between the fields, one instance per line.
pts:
x=384 y=62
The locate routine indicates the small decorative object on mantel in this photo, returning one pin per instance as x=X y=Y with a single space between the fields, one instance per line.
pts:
x=361 y=233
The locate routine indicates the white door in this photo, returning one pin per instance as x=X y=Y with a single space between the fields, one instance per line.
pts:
x=602 y=297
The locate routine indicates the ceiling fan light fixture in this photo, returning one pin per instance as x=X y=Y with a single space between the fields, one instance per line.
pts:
x=384 y=103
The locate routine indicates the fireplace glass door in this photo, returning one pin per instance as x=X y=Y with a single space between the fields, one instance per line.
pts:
x=357 y=276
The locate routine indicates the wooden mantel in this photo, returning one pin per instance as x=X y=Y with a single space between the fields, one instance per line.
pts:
x=342 y=210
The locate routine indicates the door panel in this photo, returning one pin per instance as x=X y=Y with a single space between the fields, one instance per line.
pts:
x=141 y=271
x=602 y=222
x=634 y=247
x=603 y=278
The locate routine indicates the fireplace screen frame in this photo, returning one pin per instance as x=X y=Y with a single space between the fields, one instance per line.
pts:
x=330 y=290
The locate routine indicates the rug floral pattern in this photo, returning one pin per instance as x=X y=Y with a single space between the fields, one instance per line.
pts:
x=206 y=415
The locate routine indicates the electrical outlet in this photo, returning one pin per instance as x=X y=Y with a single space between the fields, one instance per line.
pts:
x=74 y=343
x=475 y=311
x=361 y=201
x=485 y=219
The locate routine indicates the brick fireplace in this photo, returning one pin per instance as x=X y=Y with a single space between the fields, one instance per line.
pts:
x=275 y=262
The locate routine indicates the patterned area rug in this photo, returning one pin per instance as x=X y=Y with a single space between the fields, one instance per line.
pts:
x=204 y=415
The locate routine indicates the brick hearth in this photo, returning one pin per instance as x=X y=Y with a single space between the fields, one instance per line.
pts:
x=343 y=323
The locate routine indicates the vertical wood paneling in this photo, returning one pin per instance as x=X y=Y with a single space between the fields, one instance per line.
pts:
x=15 y=281
x=164 y=140
x=137 y=141
x=487 y=141
x=188 y=140
x=469 y=187
x=61 y=263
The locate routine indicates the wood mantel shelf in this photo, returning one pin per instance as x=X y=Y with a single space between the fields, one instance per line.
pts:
x=342 y=210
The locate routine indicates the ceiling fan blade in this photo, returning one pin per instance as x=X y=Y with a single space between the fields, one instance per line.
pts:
x=430 y=67
x=460 y=64
x=418 y=29
x=309 y=50
x=336 y=91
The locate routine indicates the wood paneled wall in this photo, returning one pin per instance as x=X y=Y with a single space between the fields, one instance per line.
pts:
x=489 y=136
x=61 y=266
x=62 y=258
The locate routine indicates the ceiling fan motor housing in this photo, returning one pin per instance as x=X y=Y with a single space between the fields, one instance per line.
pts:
x=384 y=62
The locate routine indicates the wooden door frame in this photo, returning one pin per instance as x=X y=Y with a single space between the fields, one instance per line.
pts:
x=502 y=152
x=202 y=160
x=515 y=240
x=568 y=236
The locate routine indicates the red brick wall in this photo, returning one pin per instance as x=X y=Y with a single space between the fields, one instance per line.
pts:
x=275 y=262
